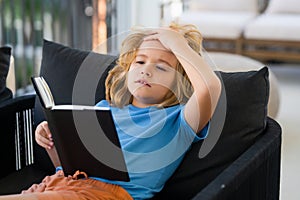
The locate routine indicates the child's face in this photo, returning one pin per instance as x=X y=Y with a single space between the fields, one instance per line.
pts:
x=152 y=74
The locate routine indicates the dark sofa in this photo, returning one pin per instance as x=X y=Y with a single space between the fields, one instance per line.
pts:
x=244 y=163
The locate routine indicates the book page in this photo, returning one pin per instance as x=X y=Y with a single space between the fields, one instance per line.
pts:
x=43 y=91
x=48 y=91
x=78 y=107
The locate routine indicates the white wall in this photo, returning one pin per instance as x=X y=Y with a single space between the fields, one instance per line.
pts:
x=147 y=12
x=137 y=13
x=134 y=13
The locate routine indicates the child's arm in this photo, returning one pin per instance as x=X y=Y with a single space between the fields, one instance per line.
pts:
x=207 y=86
x=43 y=137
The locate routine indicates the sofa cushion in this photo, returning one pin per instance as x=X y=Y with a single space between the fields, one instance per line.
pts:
x=245 y=97
x=5 y=53
x=220 y=19
x=221 y=5
x=246 y=115
x=285 y=27
x=60 y=66
x=283 y=6
x=219 y=24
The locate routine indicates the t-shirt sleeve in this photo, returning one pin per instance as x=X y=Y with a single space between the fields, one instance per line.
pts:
x=202 y=134
x=103 y=103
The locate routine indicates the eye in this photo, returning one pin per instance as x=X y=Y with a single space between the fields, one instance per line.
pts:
x=140 y=62
x=162 y=68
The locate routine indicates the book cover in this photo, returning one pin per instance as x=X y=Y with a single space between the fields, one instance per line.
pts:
x=85 y=137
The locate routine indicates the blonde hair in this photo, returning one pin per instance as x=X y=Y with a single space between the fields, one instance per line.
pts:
x=117 y=92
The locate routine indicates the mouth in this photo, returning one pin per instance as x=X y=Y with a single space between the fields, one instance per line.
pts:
x=143 y=82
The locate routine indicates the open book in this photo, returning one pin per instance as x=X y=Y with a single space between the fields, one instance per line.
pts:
x=44 y=93
x=85 y=137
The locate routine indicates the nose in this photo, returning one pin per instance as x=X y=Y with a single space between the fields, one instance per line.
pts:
x=146 y=73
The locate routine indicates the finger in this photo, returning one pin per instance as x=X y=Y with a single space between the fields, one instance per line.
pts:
x=40 y=188
x=47 y=130
x=30 y=190
x=45 y=142
x=151 y=37
x=147 y=30
x=152 y=32
x=60 y=173
x=42 y=139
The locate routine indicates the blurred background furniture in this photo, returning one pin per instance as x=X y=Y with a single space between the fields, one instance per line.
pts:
x=221 y=22
x=275 y=34
x=267 y=30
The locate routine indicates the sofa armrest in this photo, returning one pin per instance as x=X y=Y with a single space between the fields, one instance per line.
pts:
x=254 y=175
x=16 y=117
x=21 y=156
x=18 y=104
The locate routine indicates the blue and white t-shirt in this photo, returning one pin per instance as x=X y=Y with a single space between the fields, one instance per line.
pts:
x=154 y=142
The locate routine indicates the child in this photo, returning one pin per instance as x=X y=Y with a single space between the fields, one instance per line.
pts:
x=162 y=95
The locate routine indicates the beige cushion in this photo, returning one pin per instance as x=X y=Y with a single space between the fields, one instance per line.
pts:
x=220 y=24
x=283 y=6
x=11 y=80
x=224 y=5
x=274 y=27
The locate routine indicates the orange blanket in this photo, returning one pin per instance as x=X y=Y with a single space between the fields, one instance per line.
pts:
x=60 y=187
